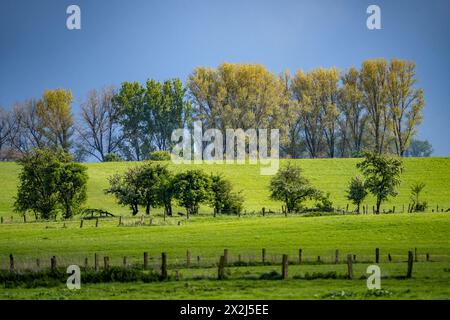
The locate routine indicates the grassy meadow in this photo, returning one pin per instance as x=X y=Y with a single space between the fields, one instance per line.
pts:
x=206 y=238
x=244 y=237
x=329 y=175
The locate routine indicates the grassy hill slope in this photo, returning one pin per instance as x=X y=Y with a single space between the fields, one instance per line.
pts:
x=330 y=175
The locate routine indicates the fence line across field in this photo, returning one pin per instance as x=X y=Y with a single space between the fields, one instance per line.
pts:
x=156 y=261
x=180 y=218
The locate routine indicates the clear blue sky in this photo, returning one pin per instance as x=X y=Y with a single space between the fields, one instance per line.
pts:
x=135 y=40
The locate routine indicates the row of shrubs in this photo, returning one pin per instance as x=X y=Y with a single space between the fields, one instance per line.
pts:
x=48 y=278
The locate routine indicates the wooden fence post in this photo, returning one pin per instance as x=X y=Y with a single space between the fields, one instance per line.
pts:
x=95 y=262
x=120 y=220
x=145 y=260
x=318 y=259
x=86 y=263
x=38 y=265
x=81 y=223
x=53 y=264
x=428 y=257
x=263 y=211
x=349 y=267
x=125 y=262
x=263 y=255
x=1 y=218
x=284 y=267
x=377 y=255
x=410 y=264
x=354 y=258
x=24 y=218
x=389 y=257
x=225 y=256
x=96 y=223
x=163 y=266
x=106 y=263
x=11 y=263
x=188 y=258
x=198 y=260
x=300 y=251
x=336 y=256
x=221 y=268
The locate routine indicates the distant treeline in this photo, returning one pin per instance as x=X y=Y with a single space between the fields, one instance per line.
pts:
x=324 y=112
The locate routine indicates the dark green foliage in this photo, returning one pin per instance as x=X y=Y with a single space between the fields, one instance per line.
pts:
x=155 y=187
x=30 y=279
x=192 y=188
x=159 y=155
x=125 y=189
x=324 y=203
x=112 y=157
x=382 y=175
x=356 y=192
x=272 y=275
x=72 y=188
x=291 y=187
x=148 y=185
x=49 y=181
x=223 y=200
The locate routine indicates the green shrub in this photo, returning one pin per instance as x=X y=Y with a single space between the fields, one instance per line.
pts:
x=112 y=157
x=159 y=155
x=272 y=275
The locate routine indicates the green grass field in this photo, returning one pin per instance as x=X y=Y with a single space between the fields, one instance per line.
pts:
x=206 y=237
x=330 y=175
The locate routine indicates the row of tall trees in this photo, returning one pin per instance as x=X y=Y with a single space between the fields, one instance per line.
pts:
x=320 y=113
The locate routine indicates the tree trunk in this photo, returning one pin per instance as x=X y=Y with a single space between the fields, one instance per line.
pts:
x=378 y=205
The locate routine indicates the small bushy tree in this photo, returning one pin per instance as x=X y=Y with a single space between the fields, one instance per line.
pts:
x=223 y=199
x=382 y=174
x=192 y=188
x=50 y=181
x=291 y=187
x=125 y=189
x=356 y=192
x=155 y=187
x=160 y=155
